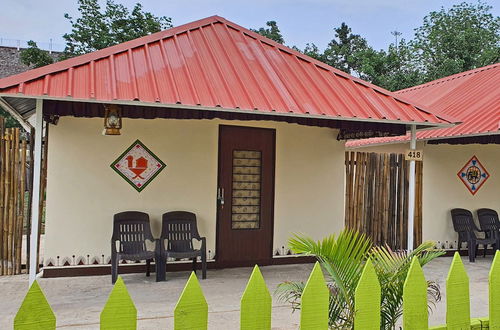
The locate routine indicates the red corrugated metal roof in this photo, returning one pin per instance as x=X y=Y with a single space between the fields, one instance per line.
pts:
x=214 y=63
x=473 y=97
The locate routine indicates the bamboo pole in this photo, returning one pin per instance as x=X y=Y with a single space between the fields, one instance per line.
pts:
x=353 y=191
x=405 y=203
x=14 y=199
x=366 y=199
x=5 y=251
x=400 y=201
x=2 y=178
x=385 y=198
x=361 y=199
x=370 y=193
x=348 y=189
x=12 y=203
x=376 y=215
x=21 y=208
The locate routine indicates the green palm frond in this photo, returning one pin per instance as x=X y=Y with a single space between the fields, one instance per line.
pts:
x=290 y=292
x=343 y=257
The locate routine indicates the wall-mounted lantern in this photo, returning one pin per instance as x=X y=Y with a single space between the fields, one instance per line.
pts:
x=112 y=119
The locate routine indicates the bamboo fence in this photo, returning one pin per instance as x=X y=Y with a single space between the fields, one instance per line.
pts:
x=13 y=188
x=377 y=197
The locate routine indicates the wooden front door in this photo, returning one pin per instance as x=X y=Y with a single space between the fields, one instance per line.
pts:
x=245 y=196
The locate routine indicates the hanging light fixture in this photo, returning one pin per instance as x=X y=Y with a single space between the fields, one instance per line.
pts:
x=112 y=119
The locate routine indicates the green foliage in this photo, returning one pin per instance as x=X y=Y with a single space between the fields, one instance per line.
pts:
x=119 y=311
x=256 y=303
x=35 y=57
x=9 y=120
x=272 y=32
x=347 y=51
x=98 y=28
x=343 y=258
x=35 y=311
x=462 y=38
x=393 y=69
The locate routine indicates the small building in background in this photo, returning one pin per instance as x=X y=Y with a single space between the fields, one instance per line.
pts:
x=461 y=164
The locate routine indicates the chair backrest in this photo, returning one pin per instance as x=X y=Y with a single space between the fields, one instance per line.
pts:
x=463 y=222
x=179 y=228
x=132 y=228
x=488 y=219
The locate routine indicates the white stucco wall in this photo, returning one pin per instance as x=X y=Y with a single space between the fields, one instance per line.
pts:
x=444 y=191
x=83 y=192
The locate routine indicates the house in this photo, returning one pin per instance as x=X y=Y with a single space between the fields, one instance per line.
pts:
x=245 y=132
x=461 y=164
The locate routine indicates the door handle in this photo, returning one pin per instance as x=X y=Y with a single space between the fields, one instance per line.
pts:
x=220 y=196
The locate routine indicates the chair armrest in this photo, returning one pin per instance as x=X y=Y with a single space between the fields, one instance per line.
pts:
x=203 y=242
x=113 y=246
x=160 y=245
x=202 y=239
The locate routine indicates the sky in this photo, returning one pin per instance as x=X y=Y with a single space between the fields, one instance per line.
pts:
x=300 y=21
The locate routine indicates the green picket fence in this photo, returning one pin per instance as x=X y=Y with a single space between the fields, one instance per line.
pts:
x=191 y=311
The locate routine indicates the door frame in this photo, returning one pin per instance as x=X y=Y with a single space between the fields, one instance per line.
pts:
x=268 y=261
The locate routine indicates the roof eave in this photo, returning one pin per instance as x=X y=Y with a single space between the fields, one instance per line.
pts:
x=420 y=125
x=406 y=139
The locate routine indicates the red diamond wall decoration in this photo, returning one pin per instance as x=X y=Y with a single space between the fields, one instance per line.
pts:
x=138 y=165
x=473 y=175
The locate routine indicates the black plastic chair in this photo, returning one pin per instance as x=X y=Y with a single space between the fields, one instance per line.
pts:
x=179 y=229
x=131 y=229
x=464 y=225
x=489 y=223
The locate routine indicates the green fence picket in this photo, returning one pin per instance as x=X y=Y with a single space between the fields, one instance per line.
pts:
x=35 y=311
x=367 y=299
x=457 y=296
x=255 y=303
x=119 y=311
x=191 y=311
x=415 y=314
x=314 y=301
x=494 y=293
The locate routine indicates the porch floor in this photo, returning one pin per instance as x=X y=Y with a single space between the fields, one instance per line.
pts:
x=78 y=301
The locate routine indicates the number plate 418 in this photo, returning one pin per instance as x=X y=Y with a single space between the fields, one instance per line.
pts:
x=417 y=155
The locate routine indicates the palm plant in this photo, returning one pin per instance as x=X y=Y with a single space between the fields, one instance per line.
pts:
x=343 y=258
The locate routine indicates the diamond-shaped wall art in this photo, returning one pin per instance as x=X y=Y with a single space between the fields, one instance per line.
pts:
x=473 y=175
x=138 y=165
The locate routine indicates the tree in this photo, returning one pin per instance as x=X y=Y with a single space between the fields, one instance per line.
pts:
x=9 y=120
x=346 y=51
x=96 y=28
x=34 y=57
x=313 y=51
x=393 y=69
x=462 y=38
x=273 y=32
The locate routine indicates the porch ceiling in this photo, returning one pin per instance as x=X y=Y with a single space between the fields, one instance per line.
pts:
x=214 y=65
